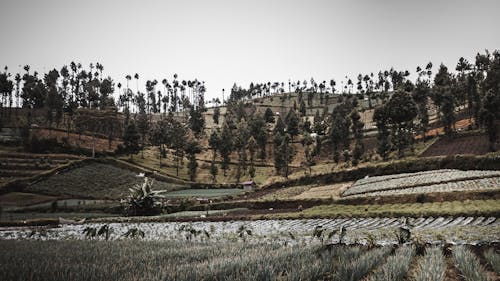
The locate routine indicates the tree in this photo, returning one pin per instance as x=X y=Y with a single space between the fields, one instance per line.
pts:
x=240 y=145
x=216 y=115
x=384 y=146
x=160 y=136
x=252 y=147
x=6 y=87
x=192 y=148
x=269 y=115
x=420 y=95
x=357 y=132
x=283 y=150
x=214 y=171
x=401 y=111
x=196 y=120
x=339 y=129
x=225 y=147
x=490 y=113
x=443 y=97
x=292 y=124
x=131 y=140
x=214 y=143
x=258 y=130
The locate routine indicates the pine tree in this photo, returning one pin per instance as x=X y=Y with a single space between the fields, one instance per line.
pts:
x=131 y=140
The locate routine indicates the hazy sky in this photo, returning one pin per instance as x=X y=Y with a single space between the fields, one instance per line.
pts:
x=227 y=41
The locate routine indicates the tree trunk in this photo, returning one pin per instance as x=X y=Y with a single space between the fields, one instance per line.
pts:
x=93 y=145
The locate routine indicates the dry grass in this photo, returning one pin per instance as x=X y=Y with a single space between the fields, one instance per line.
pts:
x=304 y=192
x=326 y=191
x=23 y=199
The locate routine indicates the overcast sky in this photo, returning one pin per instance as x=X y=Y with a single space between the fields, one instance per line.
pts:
x=227 y=41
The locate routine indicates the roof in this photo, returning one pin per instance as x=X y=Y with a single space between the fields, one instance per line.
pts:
x=248 y=183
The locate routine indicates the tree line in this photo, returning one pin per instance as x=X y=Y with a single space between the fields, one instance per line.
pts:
x=170 y=115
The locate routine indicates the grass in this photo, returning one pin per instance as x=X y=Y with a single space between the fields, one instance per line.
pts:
x=95 y=180
x=448 y=208
x=304 y=192
x=151 y=161
x=205 y=193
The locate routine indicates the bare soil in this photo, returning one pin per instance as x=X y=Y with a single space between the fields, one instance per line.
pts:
x=84 y=141
x=476 y=144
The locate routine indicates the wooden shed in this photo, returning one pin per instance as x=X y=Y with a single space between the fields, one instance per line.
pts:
x=248 y=185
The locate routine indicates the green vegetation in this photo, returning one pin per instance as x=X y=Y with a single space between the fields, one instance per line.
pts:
x=93 y=181
x=493 y=258
x=396 y=266
x=469 y=264
x=447 y=208
x=432 y=267
x=138 y=260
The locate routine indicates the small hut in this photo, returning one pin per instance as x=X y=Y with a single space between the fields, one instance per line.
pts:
x=248 y=185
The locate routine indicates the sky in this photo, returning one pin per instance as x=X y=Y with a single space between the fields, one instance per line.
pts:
x=223 y=42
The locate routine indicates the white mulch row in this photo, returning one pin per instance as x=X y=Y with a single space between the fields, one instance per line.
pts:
x=265 y=230
x=380 y=189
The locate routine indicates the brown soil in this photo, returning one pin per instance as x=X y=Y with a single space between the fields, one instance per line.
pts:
x=459 y=125
x=476 y=144
x=83 y=141
x=452 y=273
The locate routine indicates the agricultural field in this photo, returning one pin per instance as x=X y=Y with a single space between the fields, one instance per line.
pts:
x=368 y=230
x=97 y=181
x=198 y=255
x=304 y=192
x=468 y=144
x=203 y=193
x=15 y=165
x=425 y=182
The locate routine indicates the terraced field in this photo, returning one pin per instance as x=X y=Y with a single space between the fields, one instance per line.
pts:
x=99 y=181
x=20 y=165
x=425 y=182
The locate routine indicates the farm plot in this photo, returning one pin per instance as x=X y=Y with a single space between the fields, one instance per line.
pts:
x=101 y=181
x=380 y=231
x=428 y=181
x=305 y=192
x=20 y=165
x=205 y=193
x=132 y=259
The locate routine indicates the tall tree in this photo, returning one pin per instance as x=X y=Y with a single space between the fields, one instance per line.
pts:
x=192 y=148
x=131 y=140
x=226 y=147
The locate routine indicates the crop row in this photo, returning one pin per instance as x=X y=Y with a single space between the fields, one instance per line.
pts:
x=432 y=267
x=396 y=266
x=466 y=185
x=383 y=230
x=168 y=260
x=375 y=179
x=469 y=265
x=418 y=179
x=136 y=260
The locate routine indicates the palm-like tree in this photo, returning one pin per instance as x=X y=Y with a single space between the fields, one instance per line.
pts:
x=136 y=77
